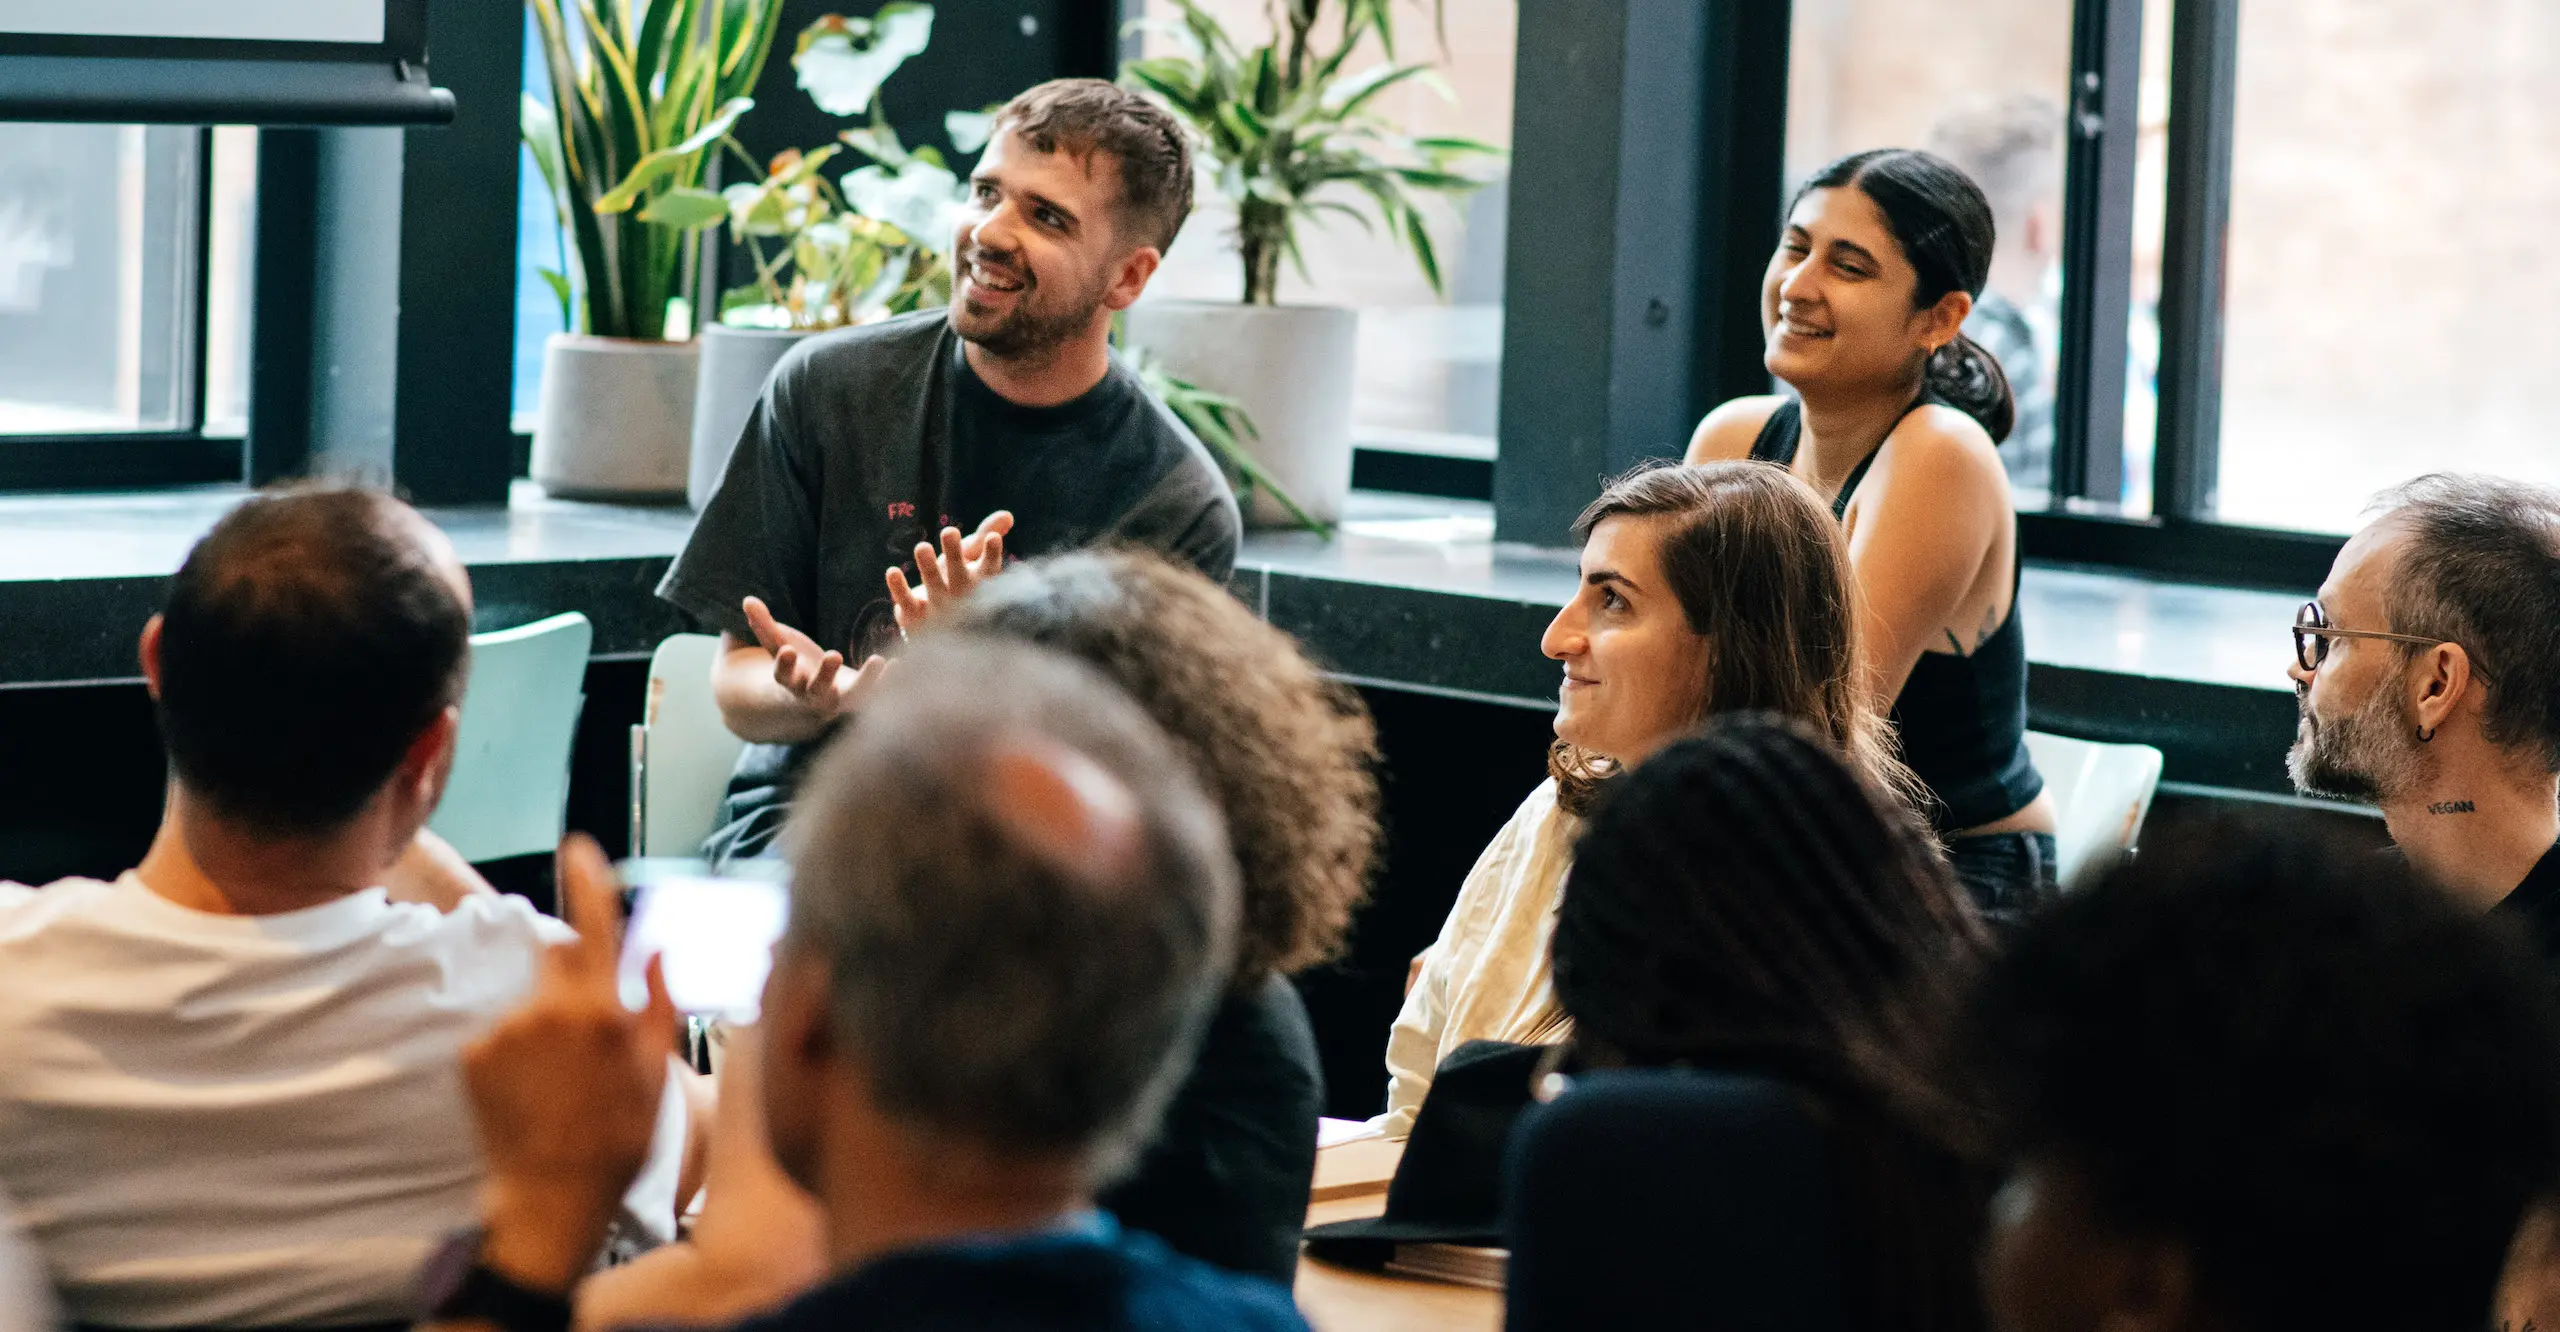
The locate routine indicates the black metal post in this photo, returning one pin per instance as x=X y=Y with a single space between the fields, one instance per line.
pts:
x=2203 y=74
x=2097 y=263
x=1645 y=171
x=281 y=328
x=453 y=441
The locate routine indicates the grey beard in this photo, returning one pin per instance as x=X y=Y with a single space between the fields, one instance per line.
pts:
x=2365 y=755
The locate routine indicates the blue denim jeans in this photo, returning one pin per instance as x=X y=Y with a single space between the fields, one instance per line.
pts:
x=2008 y=874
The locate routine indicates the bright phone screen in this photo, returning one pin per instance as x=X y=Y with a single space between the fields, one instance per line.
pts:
x=715 y=937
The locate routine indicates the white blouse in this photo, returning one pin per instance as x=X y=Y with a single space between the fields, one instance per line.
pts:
x=1487 y=976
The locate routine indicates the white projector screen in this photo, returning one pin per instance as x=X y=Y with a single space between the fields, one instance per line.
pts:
x=357 y=21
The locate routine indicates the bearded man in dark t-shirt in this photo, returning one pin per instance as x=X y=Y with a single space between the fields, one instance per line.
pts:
x=839 y=520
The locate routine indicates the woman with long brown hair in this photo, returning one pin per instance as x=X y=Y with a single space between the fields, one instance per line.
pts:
x=1705 y=589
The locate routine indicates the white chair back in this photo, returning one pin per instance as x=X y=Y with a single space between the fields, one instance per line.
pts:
x=509 y=795
x=681 y=752
x=2101 y=794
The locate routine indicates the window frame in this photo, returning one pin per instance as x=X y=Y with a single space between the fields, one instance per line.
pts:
x=139 y=459
x=2182 y=539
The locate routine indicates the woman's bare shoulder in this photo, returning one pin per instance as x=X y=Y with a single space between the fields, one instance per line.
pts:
x=1729 y=430
x=1945 y=453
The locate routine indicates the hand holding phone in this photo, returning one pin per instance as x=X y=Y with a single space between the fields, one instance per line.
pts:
x=714 y=938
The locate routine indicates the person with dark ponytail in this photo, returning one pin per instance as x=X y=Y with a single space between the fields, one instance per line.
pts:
x=1895 y=420
x=1747 y=902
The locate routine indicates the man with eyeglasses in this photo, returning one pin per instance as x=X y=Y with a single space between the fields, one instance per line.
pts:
x=2428 y=676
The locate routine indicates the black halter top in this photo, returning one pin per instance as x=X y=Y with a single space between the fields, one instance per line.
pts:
x=1962 y=719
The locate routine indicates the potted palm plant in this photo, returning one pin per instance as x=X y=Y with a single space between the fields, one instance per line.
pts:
x=641 y=92
x=1283 y=131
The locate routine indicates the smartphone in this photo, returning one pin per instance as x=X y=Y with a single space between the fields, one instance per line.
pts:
x=714 y=937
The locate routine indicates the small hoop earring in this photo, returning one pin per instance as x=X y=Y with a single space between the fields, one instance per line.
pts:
x=2425 y=734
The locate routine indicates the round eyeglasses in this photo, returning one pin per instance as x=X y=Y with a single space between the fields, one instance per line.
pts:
x=2312 y=632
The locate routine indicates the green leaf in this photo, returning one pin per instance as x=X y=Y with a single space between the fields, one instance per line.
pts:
x=806 y=165
x=842 y=62
x=1244 y=128
x=1459 y=147
x=1184 y=96
x=559 y=284
x=1418 y=237
x=1423 y=179
x=1347 y=98
x=666 y=161
x=541 y=133
x=686 y=208
x=757 y=210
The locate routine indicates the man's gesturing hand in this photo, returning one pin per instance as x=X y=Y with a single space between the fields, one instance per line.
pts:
x=816 y=676
x=950 y=573
x=565 y=1091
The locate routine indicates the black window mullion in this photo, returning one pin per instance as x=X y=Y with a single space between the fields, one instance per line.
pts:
x=2097 y=256
x=2203 y=74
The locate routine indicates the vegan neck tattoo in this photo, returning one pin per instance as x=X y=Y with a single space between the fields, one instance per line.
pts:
x=2451 y=807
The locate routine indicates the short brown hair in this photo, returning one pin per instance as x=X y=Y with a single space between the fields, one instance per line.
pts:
x=1286 y=753
x=2482 y=569
x=1762 y=573
x=307 y=642
x=1082 y=116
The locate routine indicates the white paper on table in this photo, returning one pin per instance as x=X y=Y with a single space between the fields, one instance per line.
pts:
x=1335 y=1132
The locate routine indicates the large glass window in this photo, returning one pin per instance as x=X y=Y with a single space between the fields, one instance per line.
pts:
x=1986 y=85
x=2392 y=305
x=1429 y=372
x=538 y=247
x=98 y=278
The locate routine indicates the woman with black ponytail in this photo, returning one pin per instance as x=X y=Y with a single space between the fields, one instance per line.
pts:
x=1895 y=420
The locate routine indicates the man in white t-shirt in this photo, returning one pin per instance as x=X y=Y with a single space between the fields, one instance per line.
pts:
x=230 y=1089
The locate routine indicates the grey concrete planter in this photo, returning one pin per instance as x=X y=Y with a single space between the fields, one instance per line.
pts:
x=1290 y=367
x=615 y=418
x=735 y=364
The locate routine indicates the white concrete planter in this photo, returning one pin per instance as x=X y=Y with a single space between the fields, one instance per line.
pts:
x=616 y=418
x=735 y=364
x=1290 y=366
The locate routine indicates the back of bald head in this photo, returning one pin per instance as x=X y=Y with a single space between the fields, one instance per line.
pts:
x=307 y=642
x=1024 y=896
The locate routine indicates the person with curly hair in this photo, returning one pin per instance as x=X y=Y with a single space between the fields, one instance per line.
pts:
x=1288 y=757
x=1747 y=902
x=1712 y=588
x=2256 y=1081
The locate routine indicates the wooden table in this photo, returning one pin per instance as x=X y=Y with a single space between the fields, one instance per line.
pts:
x=1351 y=1182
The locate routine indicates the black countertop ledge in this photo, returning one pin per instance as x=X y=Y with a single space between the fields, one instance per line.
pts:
x=1412 y=593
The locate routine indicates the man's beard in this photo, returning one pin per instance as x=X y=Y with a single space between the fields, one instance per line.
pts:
x=2368 y=754
x=1027 y=331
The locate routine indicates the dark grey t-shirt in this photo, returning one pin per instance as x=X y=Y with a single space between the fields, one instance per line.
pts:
x=869 y=440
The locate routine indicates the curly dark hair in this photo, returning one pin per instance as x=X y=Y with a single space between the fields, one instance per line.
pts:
x=2337 y=1088
x=1289 y=755
x=1744 y=899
